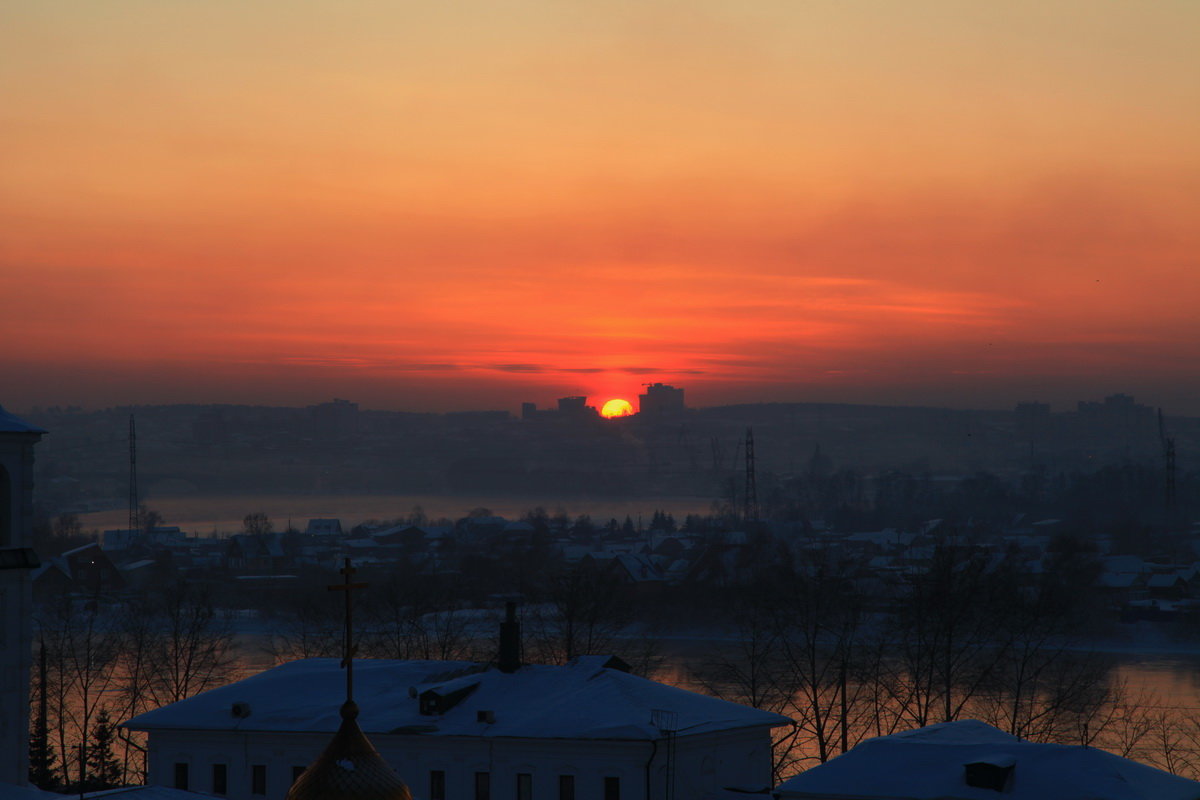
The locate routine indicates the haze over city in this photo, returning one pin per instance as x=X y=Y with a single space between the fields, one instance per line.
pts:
x=472 y=205
x=645 y=400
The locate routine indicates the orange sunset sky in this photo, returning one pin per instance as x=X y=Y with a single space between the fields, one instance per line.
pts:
x=425 y=206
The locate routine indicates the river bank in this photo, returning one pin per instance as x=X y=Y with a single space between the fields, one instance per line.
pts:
x=222 y=515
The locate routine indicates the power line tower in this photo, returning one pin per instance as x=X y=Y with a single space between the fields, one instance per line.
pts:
x=1168 y=450
x=133 y=487
x=750 y=496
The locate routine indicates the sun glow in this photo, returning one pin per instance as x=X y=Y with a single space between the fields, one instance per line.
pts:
x=616 y=408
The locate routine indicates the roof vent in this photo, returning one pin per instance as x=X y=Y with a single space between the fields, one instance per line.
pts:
x=240 y=710
x=434 y=702
x=485 y=716
x=990 y=774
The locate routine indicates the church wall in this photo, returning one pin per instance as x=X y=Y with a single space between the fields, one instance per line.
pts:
x=16 y=606
x=701 y=763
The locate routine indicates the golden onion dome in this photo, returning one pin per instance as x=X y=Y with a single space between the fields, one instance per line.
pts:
x=350 y=768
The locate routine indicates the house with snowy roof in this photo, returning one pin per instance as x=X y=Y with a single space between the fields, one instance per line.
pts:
x=88 y=571
x=324 y=527
x=255 y=551
x=971 y=760
x=586 y=730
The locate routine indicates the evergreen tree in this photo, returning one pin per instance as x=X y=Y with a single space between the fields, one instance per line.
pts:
x=41 y=758
x=104 y=769
x=41 y=752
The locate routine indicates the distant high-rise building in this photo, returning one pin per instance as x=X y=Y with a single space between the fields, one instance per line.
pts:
x=1033 y=419
x=567 y=408
x=1120 y=412
x=335 y=420
x=572 y=405
x=661 y=399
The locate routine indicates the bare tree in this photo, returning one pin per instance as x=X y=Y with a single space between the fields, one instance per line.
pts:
x=819 y=613
x=192 y=643
x=412 y=616
x=257 y=524
x=174 y=643
x=943 y=636
x=753 y=670
x=81 y=653
x=310 y=628
x=583 y=611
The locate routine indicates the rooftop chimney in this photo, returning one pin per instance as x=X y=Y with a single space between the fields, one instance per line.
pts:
x=510 y=640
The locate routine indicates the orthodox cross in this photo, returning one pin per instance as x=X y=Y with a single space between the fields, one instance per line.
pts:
x=348 y=648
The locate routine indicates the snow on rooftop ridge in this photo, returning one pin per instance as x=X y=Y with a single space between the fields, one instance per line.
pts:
x=581 y=700
x=10 y=791
x=930 y=764
x=80 y=549
x=140 y=793
x=963 y=731
x=10 y=423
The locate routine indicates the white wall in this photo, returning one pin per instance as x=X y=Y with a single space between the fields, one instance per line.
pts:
x=16 y=609
x=702 y=763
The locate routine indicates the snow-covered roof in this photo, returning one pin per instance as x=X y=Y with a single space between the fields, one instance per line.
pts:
x=640 y=568
x=13 y=424
x=581 y=700
x=80 y=549
x=1123 y=564
x=930 y=762
x=1118 y=580
x=883 y=538
x=144 y=793
x=10 y=791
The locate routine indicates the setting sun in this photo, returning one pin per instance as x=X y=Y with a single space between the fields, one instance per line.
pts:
x=616 y=408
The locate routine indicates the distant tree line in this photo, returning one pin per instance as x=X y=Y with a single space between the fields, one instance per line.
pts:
x=968 y=636
x=1127 y=501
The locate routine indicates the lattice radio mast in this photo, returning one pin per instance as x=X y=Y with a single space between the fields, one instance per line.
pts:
x=1168 y=448
x=750 y=498
x=133 y=487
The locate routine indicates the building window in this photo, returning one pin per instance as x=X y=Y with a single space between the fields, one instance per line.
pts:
x=181 y=775
x=437 y=785
x=297 y=772
x=566 y=787
x=220 y=779
x=524 y=786
x=258 y=779
x=483 y=786
x=612 y=788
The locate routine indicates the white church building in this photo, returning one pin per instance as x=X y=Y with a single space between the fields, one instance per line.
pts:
x=17 y=439
x=587 y=730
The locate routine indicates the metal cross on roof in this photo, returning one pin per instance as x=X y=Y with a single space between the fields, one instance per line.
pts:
x=348 y=647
